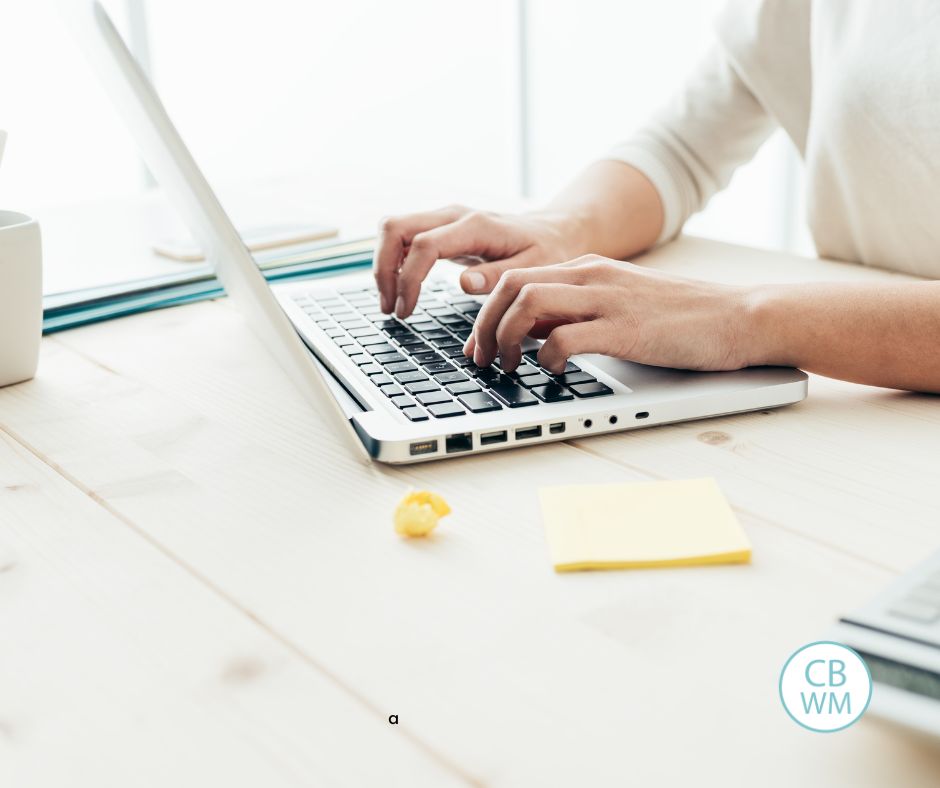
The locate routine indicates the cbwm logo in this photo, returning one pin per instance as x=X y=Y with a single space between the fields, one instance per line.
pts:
x=825 y=686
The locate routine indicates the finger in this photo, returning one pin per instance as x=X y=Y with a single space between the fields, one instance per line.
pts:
x=472 y=233
x=510 y=283
x=593 y=336
x=469 y=346
x=395 y=234
x=483 y=276
x=543 y=328
x=535 y=301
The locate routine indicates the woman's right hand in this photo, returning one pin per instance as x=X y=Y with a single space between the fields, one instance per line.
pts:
x=488 y=243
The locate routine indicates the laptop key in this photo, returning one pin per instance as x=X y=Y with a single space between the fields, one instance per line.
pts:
x=455 y=352
x=913 y=610
x=570 y=378
x=407 y=340
x=486 y=374
x=415 y=414
x=391 y=390
x=403 y=401
x=395 y=331
x=512 y=394
x=446 y=409
x=388 y=358
x=437 y=366
x=436 y=333
x=422 y=387
x=425 y=327
x=595 y=389
x=479 y=402
x=410 y=377
x=344 y=341
x=368 y=331
x=531 y=381
x=382 y=348
x=372 y=368
x=446 y=344
x=434 y=397
x=400 y=366
x=352 y=350
x=450 y=377
x=525 y=370
x=381 y=380
x=426 y=357
x=372 y=339
x=552 y=392
x=464 y=387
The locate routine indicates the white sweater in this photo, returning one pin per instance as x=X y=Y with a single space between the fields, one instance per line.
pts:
x=855 y=84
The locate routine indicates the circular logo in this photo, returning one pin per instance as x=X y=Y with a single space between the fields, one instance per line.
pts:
x=825 y=686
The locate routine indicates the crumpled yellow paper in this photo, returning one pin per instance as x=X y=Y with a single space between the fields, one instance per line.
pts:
x=418 y=512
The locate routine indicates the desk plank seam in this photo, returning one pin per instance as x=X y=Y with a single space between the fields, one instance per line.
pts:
x=442 y=760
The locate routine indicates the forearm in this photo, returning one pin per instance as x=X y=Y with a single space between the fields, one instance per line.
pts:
x=877 y=334
x=610 y=209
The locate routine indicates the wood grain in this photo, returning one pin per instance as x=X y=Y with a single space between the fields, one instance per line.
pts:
x=118 y=667
x=183 y=427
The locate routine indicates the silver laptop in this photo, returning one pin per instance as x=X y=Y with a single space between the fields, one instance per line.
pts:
x=898 y=635
x=401 y=391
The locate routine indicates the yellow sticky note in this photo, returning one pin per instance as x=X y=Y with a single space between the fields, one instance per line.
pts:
x=641 y=524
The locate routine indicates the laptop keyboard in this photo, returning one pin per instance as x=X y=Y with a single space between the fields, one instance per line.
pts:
x=922 y=603
x=418 y=362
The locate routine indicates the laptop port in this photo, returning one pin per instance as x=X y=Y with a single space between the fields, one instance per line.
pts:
x=424 y=447
x=558 y=426
x=461 y=441
x=643 y=414
x=489 y=438
x=528 y=432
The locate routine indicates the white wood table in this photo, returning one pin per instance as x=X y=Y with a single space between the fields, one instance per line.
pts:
x=198 y=588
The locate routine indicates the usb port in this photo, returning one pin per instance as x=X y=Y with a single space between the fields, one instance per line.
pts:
x=528 y=432
x=462 y=441
x=425 y=447
x=558 y=426
x=489 y=438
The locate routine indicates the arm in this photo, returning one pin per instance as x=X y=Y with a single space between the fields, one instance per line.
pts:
x=611 y=208
x=877 y=334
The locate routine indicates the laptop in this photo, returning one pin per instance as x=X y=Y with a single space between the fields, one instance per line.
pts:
x=898 y=635
x=400 y=391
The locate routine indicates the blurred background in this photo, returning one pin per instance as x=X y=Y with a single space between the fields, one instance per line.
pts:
x=507 y=98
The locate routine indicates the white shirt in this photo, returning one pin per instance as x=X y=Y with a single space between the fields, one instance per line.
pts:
x=855 y=84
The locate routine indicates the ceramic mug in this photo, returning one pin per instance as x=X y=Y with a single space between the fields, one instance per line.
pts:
x=20 y=297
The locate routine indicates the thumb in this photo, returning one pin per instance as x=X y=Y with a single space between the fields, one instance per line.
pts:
x=483 y=277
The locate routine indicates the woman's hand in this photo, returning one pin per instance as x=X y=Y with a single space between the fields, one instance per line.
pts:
x=596 y=305
x=487 y=242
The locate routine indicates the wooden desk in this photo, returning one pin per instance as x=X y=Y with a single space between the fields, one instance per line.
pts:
x=197 y=588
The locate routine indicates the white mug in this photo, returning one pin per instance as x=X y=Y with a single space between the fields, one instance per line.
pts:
x=20 y=297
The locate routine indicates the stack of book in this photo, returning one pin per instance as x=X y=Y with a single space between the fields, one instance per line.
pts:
x=80 y=307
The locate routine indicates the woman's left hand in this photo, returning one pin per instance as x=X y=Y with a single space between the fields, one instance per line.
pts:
x=596 y=305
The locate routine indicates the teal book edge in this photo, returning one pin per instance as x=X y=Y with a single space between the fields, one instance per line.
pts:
x=81 y=307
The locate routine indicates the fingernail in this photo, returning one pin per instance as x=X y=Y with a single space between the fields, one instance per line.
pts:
x=475 y=281
x=385 y=306
x=478 y=357
x=400 y=307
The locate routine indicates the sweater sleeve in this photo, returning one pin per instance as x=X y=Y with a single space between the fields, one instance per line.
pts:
x=691 y=147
